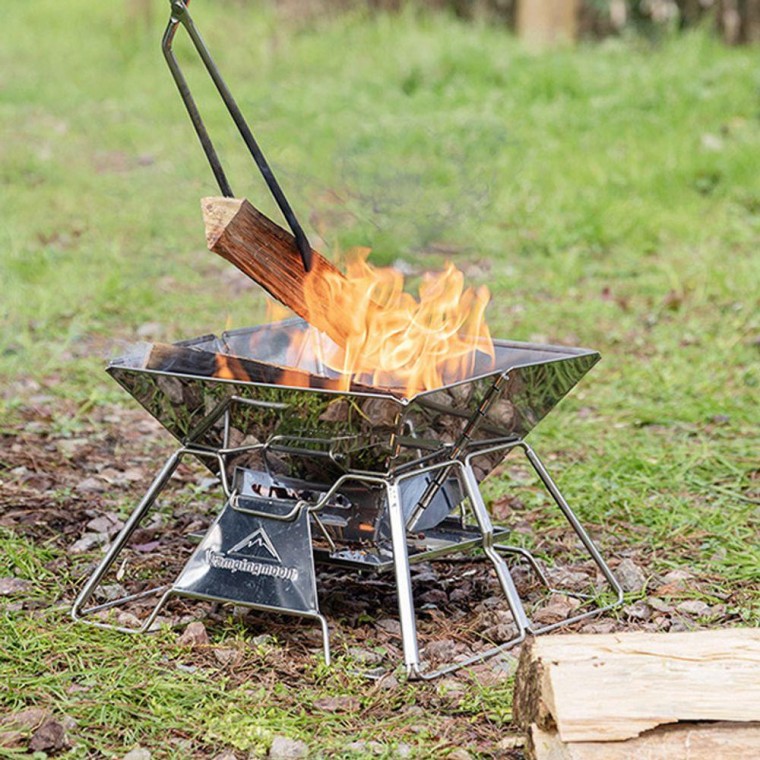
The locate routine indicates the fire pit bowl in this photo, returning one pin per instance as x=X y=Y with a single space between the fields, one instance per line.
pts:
x=360 y=429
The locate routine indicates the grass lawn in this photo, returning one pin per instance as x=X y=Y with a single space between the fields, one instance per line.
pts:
x=609 y=196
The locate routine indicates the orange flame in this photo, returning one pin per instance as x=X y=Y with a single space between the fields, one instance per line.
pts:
x=395 y=339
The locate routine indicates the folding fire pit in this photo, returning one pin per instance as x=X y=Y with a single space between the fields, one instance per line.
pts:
x=368 y=478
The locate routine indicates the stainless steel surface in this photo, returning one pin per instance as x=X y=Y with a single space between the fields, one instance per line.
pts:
x=362 y=466
x=362 y=430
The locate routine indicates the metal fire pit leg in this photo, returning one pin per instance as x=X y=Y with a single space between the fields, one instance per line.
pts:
x=502 y=571
x=407 y=617
x=580 y=531
x=116 y=548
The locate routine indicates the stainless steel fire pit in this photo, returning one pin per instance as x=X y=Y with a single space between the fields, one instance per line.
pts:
x=364 y=478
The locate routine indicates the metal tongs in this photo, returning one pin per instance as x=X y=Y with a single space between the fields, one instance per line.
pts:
x=180 y=15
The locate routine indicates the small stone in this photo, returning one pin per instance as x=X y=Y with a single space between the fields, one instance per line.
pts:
x=10 y=586
x=638 y=611
x=49 y=737
x=226 y=755
x=441 y=650
x=402 y=750
x=694 y=607
x=460 y=754
x=434 y=597
x=712 y=142
x=264 y=640
x=128 y=620
x=459 y=595
x=112 y=591
x=90 y=485
x=25 y=720
x=558 y=609
x=390 y=626
x=606 y=626
x=630 y=576
x=383 y=412
x=287 y=749
x=658 y=605
x=388 y=683
x=88 y=542
x=564 y=578
x=104 y=524
x=365 y=656
x=677 y=576
x=510 y=742
x=194 y=635
x=343 y=703
x=138 y=753
x=227 y=656
x=336 y=411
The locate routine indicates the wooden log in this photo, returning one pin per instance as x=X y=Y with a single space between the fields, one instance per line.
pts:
x=267 y=253
x=695 y=741
x=613 y=687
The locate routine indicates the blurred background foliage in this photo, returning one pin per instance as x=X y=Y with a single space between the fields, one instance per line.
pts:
x=736 y=21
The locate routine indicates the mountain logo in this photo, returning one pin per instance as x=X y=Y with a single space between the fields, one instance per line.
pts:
x=256 y=545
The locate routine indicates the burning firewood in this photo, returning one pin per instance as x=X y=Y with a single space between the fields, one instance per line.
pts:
x=379 y=331
x=267 y=253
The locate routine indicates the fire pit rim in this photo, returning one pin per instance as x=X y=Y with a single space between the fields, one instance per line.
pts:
x=126 y=361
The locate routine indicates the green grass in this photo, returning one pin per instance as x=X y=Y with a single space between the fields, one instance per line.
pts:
x=608 y=195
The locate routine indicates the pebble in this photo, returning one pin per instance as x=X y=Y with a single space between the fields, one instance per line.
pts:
x=341 y=703
x=194 y=635
x=90 y=485
x=630 y=576
x=365 y=656
x=88 y=542
x=390 y=626
x=11 y=585
x=138 y=753
x=694 y=607
x=50 y=736
x=287 y=749
x=638 y=611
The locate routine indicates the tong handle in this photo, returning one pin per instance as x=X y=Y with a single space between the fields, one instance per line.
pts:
x=181 y=15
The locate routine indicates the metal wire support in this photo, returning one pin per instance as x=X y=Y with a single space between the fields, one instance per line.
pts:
x=181 y=15
x=483 y=531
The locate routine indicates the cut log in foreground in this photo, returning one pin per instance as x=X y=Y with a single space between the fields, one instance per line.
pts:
x=687 y=741
x=267 y=253
x=611 y=696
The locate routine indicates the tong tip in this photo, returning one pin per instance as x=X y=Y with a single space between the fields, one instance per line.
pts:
x=304 y=248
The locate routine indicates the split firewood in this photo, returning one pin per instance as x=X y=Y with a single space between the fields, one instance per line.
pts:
x=695 y=741
x=613 y=687
x=267 y=253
